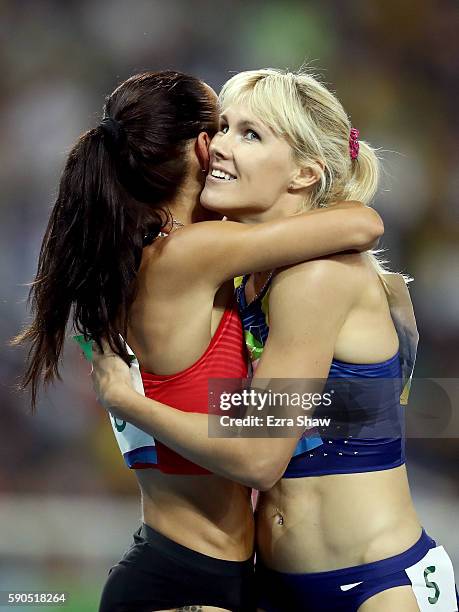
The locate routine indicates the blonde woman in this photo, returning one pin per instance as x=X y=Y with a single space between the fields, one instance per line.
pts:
x=336 y=527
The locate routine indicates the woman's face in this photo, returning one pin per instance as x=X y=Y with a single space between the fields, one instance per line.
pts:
x=250 y=169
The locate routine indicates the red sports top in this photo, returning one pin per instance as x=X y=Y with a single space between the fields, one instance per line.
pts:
x=225 y=357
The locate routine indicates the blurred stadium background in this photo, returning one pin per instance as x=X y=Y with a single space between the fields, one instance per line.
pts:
x=68 y=505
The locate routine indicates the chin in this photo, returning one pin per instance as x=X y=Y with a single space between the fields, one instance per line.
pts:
x=223 y=211
x=233 y=211
x=214 y=204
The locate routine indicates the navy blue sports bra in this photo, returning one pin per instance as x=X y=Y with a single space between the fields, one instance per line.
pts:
x=367 y=431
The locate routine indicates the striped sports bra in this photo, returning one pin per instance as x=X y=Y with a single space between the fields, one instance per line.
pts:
x=225 y=357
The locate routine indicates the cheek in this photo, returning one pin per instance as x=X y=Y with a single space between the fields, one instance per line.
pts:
x=274 y=177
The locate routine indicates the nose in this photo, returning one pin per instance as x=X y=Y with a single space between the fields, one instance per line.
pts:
x=220 y=146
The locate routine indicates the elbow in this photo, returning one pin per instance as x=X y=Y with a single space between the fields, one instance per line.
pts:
x=372 y=230
x=378 y=225
x=263 y=484
x=266 y=474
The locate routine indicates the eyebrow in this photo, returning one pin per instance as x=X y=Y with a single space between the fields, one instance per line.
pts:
x=244 y=123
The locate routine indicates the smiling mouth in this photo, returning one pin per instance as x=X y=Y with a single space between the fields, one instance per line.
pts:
x=222 y=176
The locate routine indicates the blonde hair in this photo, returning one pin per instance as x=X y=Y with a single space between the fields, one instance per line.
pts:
x=297 y=107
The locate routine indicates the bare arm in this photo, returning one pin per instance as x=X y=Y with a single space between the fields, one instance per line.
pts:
x=227 y=249
x=305 y=320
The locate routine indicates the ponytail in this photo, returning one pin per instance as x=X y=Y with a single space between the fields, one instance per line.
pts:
x=112 y=197
x=89 y=258
x=363 y=182
x=362 y=186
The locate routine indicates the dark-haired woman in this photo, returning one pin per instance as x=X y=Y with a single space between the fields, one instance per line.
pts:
x=123 y=249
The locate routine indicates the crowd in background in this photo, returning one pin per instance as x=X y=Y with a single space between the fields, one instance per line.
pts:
x=395 y=67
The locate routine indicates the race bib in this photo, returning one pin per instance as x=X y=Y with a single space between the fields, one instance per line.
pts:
x=432 y=580
x=136 y=445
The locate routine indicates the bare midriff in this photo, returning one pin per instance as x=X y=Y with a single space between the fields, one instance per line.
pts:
x=207 y=513
x=317 y=524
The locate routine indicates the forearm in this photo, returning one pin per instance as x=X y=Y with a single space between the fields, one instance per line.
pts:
x=241 y=459
x=229 y=249
x=342 y=227
x=347 y=226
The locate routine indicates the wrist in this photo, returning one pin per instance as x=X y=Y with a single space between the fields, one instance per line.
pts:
x=116 y=397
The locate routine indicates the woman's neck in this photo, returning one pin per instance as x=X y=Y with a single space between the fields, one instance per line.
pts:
x=186 y=208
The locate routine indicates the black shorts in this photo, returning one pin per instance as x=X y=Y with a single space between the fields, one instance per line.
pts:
x=156 y=573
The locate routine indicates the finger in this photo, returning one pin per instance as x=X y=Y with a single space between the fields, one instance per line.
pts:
x=106 y=347
x=106 y=350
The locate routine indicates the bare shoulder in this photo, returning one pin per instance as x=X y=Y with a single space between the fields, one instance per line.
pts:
x=203 y=234
x=337 y=275
x=186 y=240
x=200 y=243
x=310 y=301
x=182 y=251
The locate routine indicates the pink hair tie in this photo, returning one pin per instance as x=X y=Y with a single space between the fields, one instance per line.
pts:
x=354 y=143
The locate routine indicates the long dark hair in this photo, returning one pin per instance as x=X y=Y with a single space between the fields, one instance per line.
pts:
x=113 y=192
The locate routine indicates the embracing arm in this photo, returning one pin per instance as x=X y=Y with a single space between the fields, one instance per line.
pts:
x=228 y=249
x=305 y=320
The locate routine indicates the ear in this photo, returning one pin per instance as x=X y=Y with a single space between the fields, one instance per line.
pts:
x=306 y=176
x=201 y=149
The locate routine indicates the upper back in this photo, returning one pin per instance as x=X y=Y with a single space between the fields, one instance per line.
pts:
x=173 y=316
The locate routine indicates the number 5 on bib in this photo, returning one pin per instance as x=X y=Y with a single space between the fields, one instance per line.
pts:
x=432 y=580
